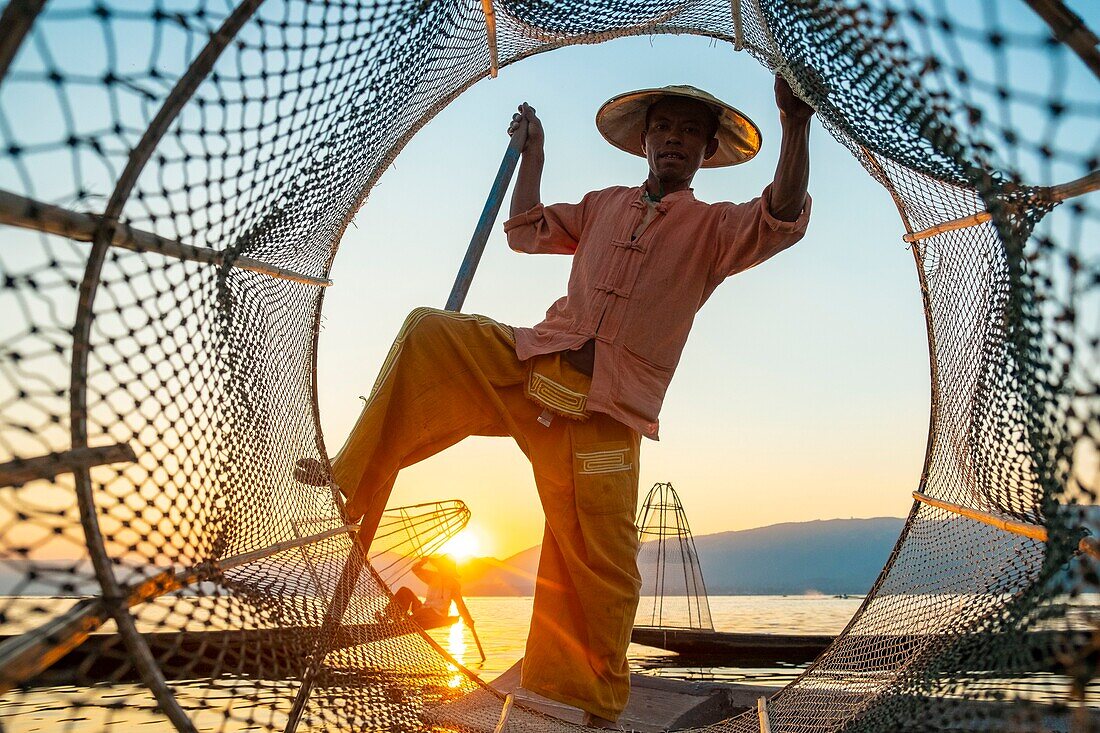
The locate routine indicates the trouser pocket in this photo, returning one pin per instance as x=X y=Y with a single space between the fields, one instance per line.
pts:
x=557 y=386
x=606 y=477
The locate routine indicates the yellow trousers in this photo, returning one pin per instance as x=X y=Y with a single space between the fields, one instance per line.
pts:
x=450 y=375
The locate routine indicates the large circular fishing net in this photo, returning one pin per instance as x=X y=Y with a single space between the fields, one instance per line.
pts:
x=176 y=180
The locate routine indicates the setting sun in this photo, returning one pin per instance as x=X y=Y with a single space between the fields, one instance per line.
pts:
x=463 y=546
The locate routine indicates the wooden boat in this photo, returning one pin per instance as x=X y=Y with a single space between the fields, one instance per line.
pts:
x=659 y=704
x=728 y=649
x=734 y=648
x=656 y=704
x=197 y=654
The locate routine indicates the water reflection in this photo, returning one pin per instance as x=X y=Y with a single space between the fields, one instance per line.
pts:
x=456 y=647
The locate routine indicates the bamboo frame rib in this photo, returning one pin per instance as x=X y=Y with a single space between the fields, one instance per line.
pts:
x=1047 y=194
x=738 y=26
x=243 y=559
x=491 y=36
x=505 y=713
x=1073 y=189
x=1086 y=546
x=24 y=470
x=762 y=714
x=1014 y=526
x=16 y=210
x=948 y=226
x=29 y=654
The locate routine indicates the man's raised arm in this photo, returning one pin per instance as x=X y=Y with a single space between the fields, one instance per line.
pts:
x=792 y=172
x=527 y=193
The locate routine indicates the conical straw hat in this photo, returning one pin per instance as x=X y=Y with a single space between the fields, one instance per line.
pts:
x=621 y=121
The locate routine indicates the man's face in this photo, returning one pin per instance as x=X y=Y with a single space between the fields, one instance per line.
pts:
x=679 y=136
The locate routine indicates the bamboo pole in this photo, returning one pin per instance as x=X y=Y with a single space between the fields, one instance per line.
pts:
x=16 y=210
x=1014 y=526
x=491 y=36
x=173 y=104
x=24 y=470
x=29 y=654
x=488 y=217
x=477 y=641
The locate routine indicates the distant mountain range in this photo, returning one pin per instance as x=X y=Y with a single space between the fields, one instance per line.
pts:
x=832 y=557
x=835 y=556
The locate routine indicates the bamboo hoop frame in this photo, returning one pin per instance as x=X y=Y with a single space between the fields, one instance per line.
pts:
x=114 y=598
x=104 y=225
x=16 y=210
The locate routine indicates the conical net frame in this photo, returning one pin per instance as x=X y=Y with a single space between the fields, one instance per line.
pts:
x=674 y=592
x=262 y=152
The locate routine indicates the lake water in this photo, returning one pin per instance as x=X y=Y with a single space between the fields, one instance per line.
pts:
x=502 y=627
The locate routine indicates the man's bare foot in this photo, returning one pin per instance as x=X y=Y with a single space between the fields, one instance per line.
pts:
x=311 y=471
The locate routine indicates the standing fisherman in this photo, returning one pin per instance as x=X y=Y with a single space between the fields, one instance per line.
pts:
x=578 y=390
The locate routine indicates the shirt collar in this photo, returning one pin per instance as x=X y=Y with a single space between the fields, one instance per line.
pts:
x=688 y=194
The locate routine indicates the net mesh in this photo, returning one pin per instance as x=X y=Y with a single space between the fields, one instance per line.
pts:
x=175 y=187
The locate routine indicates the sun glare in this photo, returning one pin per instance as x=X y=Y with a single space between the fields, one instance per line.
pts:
x=463 y=546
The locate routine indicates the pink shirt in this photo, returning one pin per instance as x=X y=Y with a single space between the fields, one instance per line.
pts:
x=638 y=298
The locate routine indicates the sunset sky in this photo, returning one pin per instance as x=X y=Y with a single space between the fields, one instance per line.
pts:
x=803 y=392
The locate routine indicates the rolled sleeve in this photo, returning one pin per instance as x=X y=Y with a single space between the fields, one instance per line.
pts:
x=749 y=234
x=554 y=229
